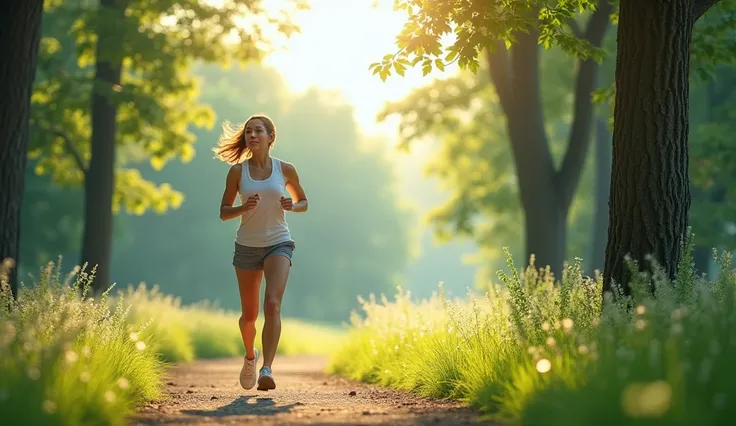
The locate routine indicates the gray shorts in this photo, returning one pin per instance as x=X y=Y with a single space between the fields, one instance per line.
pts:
x=253 y=257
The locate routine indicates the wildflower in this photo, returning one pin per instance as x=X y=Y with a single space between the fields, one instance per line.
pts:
x=567 y=324
x=123 y=383
x=140 y=345
x=544 y=365
x=110 y=396
x=70 y=357
x=84 y=377
x=641 y=309
x=583 y=349
x=551 y=341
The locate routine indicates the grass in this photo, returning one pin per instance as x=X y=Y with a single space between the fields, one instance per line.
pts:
x=199 y=331
x=69 y=359
x=535 y=351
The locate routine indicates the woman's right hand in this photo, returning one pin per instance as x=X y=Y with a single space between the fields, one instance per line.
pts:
x=252 y=202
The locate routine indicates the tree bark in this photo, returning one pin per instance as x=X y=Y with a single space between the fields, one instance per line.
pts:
x=20 y=32
x=100 y=177
x=602 y=187
x=650 y=192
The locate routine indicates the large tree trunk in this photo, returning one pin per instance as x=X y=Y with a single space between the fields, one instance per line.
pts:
x=20 y=32
x=602 y=187
x=650 y=192
x=100 y=177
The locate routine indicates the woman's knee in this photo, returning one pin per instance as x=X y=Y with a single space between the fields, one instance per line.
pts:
x=248 y=319
x=271 y=306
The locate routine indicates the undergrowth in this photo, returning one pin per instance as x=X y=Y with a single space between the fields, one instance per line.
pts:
x=68 y=359
x=183 y=333
x=536 y=351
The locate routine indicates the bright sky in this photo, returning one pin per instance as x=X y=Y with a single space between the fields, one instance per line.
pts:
x=339 y=39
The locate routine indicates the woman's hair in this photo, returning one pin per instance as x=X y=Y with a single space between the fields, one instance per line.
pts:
x=231 y=147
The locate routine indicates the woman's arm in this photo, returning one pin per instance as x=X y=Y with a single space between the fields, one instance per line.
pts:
x=299 y=198
x=227 y=211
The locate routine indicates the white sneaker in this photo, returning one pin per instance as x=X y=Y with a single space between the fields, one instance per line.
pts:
x=265 y=380
x=248 y=372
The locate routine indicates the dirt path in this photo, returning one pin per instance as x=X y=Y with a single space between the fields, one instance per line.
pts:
x=208 y=393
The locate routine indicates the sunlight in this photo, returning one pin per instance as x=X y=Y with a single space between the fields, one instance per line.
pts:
x=338 y=41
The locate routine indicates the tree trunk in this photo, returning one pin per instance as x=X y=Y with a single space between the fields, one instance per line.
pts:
x=100 y=176
x=546 y=230
x=602 y=187
x=534 y=166
x=650 y=192
x=20 y=32
x=546 y=193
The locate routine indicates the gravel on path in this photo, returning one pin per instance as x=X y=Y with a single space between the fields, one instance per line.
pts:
x=208 y=393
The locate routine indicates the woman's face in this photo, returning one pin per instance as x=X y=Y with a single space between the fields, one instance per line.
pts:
x=256 y=135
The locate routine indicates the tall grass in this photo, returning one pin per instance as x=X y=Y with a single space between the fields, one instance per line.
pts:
x=68 y=359
x=203 y=330
x=533 y=351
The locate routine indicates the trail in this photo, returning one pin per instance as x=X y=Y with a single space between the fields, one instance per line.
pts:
x=208 y=393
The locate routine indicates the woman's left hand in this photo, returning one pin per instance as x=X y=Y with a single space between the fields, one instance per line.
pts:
x=287 y=203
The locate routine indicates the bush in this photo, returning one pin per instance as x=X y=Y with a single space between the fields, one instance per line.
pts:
x=67 y=359
x=534 y=353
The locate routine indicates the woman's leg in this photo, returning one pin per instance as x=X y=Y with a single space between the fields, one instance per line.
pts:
x=249 y=284
x=276 y=269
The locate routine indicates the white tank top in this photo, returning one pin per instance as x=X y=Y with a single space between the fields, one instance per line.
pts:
x=266 y=224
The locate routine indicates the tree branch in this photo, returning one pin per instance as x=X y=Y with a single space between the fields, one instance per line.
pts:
x=702 y=6
x=579 y=139
x=72 y=150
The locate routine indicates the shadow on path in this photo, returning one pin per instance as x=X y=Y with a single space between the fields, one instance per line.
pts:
x=261 y=406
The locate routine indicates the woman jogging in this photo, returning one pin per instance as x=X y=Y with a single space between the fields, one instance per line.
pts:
x=263 y=244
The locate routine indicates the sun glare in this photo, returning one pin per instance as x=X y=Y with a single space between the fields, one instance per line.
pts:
x=339 y=39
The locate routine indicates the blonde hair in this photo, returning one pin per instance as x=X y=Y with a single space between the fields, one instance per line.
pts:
x=231 y=147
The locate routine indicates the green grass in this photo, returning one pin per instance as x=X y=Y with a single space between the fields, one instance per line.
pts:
x=69 y=359
x=199 y=331
x=538 y=352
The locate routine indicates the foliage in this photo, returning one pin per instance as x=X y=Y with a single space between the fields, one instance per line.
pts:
x=535 y=352
x=442 y=32
x=475 y=26
x=68 y=359
x=157 y=97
